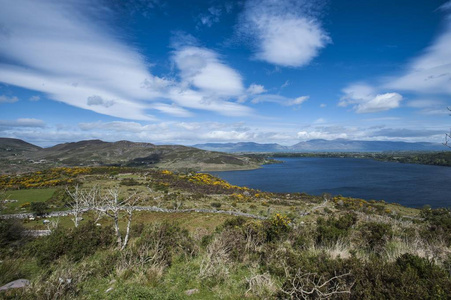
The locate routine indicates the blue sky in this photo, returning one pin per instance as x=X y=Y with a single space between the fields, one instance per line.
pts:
x=187 y=72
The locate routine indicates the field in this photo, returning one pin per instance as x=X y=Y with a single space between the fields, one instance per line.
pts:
x=26 y=196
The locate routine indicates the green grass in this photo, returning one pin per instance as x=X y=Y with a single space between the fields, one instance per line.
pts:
x=24 y=196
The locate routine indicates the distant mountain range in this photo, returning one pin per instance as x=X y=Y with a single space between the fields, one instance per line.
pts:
x=320 y=145
x=19 y=156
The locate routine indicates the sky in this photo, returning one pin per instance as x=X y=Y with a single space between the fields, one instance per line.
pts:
x=189 y=72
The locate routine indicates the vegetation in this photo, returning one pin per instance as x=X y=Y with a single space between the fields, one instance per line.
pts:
x=289 y=246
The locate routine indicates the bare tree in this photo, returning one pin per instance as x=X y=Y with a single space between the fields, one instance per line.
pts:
x=82 y=200
x=77 y=205
x=111 y=205
x=312 y=286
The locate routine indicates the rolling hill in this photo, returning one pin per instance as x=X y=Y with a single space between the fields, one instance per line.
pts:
x=121 y=153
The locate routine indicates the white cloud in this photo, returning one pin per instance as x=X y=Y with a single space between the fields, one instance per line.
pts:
x=22 y=122
x=201 y=68
x=6 y=99
x=255 y=89
x=212 y=16
x=221 y=135
x=429 y=106
x=76 y=59
x=172 y=109
x=380 y=103
x=311 y=135
x=35 y=98
x=364 y=99
x=287 y=83
x=286 y=32
x=118 y=126
x=322 y=105
x=429 y=73
x=69 y=57
x=297 y=101
x=285 y=101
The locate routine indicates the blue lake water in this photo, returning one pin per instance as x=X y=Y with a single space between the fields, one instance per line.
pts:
x=408 y=184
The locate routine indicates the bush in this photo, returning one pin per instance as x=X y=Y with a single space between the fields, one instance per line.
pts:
x=11 y=231
x=165 y=240
x=332 y=229
x=216 y=204
x=439 y=223
x=75 y=243
x=277 y=227
x=376 y=235
x=39 y=208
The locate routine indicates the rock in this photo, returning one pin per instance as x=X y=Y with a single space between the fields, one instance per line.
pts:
x=191 y=292
x=16 y=284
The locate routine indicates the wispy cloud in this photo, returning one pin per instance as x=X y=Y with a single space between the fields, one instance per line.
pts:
x=35 y=98
x=286 y=32
x=430 y=73
x=7 y=99
x=56 y=48
x=23 y=122
x=212 y=16
x=364 y=99
x=285 y=101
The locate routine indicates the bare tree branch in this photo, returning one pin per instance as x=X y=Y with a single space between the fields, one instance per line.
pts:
x=111 y=205
x=311 y=285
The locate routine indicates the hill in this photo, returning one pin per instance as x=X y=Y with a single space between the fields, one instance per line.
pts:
x=14 y=147
x=122 y=153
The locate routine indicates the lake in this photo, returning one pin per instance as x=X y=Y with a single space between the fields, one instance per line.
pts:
x=407 y=184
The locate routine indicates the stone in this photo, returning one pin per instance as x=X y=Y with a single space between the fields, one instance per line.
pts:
x=191 y=292
x=16 y=284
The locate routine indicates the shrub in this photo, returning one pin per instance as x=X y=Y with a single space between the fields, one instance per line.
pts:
x=76 y=243
x=165 y=240
x=439 y=223
x=39 y=208
x=332 y=229
x=277 y=227
x=11 y=231
x=376 y=235
x=216 y=204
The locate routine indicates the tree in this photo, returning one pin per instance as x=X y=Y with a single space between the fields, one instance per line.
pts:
x=111 y=205
x=39 y=208
x=83 y=200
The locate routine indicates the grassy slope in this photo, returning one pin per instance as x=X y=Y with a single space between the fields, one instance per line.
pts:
x=231 y=262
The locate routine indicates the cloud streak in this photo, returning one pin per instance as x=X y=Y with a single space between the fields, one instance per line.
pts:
x=58 y=48
x=430 y=73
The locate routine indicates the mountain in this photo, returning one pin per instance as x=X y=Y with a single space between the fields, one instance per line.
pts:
x=242 y=147
x=123 y=153
x=342 y=145
x=320 y=145
x=14 y=147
